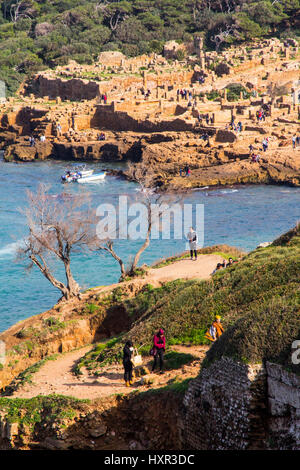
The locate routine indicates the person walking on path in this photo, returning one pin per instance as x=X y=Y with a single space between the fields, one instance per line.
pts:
x=127 y=364
x=193 y=239
x=159 y=347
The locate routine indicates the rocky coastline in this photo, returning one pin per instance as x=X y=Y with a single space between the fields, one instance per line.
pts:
x=167 y=153
x=212 y=113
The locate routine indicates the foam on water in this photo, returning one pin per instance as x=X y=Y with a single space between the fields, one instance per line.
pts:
x=10 y=249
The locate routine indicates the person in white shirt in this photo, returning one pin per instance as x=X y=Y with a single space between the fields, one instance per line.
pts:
x=193 y=239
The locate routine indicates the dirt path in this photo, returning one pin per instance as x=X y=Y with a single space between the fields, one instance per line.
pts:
x=186 y=269
x=57 y=377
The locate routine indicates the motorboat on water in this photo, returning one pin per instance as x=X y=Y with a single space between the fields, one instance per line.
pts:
x=92 y=178
x=75 y=173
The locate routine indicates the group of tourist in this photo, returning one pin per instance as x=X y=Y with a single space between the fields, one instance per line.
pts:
x=234 y=127
x=101 y=136
x=255 y=157
x=224 y=265
x=32 y=140
x=185 y=94
x=186 y=171
x=158 y=350
x=146 y=93
x=188 y=95
x=260 y=115
x=207 y=118
x=103 y=98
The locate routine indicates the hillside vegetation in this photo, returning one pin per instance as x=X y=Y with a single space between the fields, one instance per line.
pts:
x=46 y=33
x=258 y=299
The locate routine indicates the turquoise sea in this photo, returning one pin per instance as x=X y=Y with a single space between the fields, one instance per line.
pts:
x=243 y=216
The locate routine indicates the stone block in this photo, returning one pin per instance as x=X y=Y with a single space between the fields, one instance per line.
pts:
x=274 y=370
x=277 y=408
x=283 y=393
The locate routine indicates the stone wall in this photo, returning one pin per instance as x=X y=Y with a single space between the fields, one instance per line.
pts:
x=77 y=89
x=235 y=406
x=284 y=408
x=106 y=117
x=73 y=89
x=225 y=408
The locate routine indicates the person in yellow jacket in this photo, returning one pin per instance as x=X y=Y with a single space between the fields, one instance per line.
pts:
x=216 y=330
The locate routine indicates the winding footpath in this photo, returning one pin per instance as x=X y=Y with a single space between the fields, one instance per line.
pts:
x=56 y=376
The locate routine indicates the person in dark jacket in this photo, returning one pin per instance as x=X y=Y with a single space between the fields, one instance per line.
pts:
x=159 y=347
x=127 y=356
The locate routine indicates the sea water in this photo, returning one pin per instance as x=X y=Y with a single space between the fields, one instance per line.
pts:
x=242 y=216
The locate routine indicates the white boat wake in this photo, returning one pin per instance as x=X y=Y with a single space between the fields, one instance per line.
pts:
x=10 y=249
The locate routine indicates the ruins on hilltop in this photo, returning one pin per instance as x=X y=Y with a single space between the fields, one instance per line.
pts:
x=137 y=103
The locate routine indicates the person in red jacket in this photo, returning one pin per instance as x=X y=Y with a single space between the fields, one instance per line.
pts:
x=159 y=347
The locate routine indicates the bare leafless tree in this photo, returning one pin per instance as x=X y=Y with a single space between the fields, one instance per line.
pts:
x=18 y=11
x=156 y=204
x=58 y=226
x=113 y=14
x=221 y=37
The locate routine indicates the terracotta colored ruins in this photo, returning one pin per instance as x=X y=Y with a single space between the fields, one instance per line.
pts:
x=137 y=104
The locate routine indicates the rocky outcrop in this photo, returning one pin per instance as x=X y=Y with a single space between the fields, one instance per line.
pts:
x=167 y=153
x=133 y=422
x=25 y=153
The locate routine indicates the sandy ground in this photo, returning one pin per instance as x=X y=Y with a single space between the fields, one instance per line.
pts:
x=186 y=269
x=57 y=377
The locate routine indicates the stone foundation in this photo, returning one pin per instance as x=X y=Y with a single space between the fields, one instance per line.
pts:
x=283 y=407
x=225 y=408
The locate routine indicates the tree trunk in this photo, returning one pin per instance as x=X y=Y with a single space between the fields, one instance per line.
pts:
x=45 y=271
x=68 y=291
x=143 y=247
x=73 y=288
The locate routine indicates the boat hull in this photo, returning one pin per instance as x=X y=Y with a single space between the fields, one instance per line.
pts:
x=92 y=178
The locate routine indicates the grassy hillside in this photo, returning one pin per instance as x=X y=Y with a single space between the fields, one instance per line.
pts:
x=267 y=330
x=258 y=299
x=35 y=34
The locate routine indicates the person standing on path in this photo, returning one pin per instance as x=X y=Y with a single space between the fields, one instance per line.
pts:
x=193 y=239
x=127 y=364
x=159 y=347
